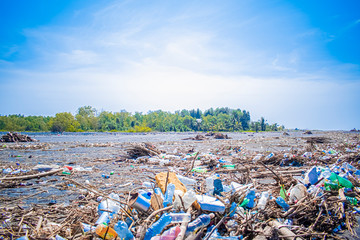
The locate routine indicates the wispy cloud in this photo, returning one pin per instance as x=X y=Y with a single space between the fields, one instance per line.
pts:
x=140 y=58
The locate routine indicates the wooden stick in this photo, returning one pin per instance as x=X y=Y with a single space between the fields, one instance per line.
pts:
x=27 y=177
x=192 y=164
x=183 y=227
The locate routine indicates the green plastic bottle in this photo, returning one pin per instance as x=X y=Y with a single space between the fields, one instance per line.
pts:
x=342 y=181
x=352 y=200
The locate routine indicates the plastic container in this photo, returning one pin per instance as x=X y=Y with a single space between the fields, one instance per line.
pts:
x=180 y=217
x=202 y=221
x=281 y=202
x=168 y=198
x=189 y=198
x=122 y=229
x=208 y=203
x=105 y=232
x=158 y=226
x=297 y=193
x=263 y=200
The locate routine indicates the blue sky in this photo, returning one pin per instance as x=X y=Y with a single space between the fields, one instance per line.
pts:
x=294 y=62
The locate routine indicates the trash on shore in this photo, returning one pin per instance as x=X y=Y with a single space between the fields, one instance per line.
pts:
x=228 y=193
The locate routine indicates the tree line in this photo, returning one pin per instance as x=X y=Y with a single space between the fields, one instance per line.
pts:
x=87 y=119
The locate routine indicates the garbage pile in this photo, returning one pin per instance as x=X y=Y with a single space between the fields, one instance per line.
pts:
x=228 y=194
x=16 y=137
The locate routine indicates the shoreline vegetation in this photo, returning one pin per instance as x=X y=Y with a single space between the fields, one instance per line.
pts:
x=87 y=119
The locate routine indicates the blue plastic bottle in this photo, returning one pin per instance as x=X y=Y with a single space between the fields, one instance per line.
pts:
x=218 y=187
x=281 y=202
x=169 y=194
x=251 y=196
x=202 y=221
x=122 y=229
x=158 y=226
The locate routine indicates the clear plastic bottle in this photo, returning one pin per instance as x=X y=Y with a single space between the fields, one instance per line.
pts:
x=177 y=201
x=180 y=217
x=189 y=198
x=123 y=231
x=257 y=157
x=168 y=198
x=188 y=182
x=202 y=221
x=108 y=208
x=263 y=200
x=158 y=226
x=159 y=192
x=209 y=181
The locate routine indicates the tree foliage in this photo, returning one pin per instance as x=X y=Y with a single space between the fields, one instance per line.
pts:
x=87 y=119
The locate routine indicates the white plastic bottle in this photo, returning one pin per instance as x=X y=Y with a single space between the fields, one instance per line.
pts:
x=263 y=200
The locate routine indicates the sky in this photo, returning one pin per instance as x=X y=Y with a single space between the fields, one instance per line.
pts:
x=295 y=63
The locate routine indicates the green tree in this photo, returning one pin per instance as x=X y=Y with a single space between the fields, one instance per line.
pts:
x=64 y=121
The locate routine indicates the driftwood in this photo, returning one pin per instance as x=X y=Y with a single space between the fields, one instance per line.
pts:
x=142 y=149
x=221 y=136
x=27 y=177
x=16 y=137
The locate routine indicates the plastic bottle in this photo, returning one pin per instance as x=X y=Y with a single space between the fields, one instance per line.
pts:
x=169 y=194
x=218 y=187
x=180 y=217
x=177 y=201
x=352 y=200
x=202 y=221
x=104 y=218
x=57 y=237
x=86 y=227
x=158 y=226
x=169 y=234
x=105 y=232
x=269 y=156
x=281 y=202
x=209 y=184
x=263 y=200
x=257 y=158
x=159 y=192
x=342 y=181
x=122 y=230
x=106 y=206
x=189 y=198
x=251 y=196
x=188 y=182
